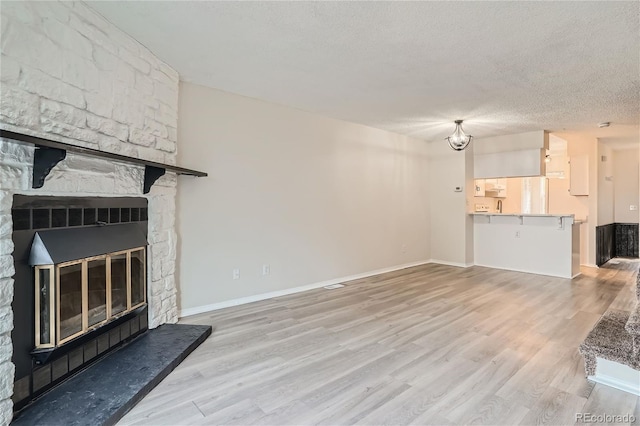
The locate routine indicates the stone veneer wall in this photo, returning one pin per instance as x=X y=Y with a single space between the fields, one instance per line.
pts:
x=68 y=74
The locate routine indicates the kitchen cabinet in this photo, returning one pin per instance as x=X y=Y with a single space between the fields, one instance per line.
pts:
x=529 y=162
x=496 y=188
x=579 y=179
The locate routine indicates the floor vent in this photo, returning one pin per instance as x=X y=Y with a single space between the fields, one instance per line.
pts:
x=333 y=286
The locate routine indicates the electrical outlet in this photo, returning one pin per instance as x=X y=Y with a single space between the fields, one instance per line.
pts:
x=236 y=274
x=403 y=248
x=266 y=270
x=517 y=234
x=632 y=207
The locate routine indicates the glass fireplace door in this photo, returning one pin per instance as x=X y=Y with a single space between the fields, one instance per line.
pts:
x=76 y=297
x=119 y=280
x=70 y=301
x=138 y=288
x=97 y=291
x=45 y=305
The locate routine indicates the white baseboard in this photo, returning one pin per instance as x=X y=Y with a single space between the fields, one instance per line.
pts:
x=617 y=376
x=255 y=298
x=447 y=263
x=526 y=272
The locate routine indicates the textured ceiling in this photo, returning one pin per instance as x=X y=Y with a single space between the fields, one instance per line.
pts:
x=409 y=67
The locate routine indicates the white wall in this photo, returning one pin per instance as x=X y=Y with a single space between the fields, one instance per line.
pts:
x=69 y=75
x=469 y=196
x=606 y=200
x=313 y=197
x=451 y=225
x=625 y=184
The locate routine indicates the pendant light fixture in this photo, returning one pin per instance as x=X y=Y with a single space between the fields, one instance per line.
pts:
x=458 y=140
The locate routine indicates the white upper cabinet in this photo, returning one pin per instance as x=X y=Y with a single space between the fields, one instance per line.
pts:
x=516 y=155
x=494 y=188
x=524 y=163
x=579 y=184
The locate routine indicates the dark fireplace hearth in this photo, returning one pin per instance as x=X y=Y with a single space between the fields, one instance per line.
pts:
x=102 y=393
x=80 y=285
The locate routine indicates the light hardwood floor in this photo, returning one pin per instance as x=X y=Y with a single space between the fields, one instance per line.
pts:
x=426 y=345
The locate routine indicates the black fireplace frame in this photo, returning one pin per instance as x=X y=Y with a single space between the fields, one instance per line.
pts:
x=37 y=371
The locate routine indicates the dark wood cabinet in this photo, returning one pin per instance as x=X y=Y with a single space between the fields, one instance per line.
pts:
x=616 y=240
x=626 y=239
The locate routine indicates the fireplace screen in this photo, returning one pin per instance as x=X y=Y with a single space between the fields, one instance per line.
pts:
x=75 y=297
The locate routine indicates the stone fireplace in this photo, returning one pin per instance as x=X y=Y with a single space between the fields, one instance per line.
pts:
x=69 y=75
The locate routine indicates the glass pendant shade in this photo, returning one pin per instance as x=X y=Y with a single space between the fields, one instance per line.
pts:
x=458 y=140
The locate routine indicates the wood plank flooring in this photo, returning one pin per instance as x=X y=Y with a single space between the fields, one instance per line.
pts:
x=427 y=345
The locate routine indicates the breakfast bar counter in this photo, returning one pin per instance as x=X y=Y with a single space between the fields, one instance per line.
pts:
x=543 y=244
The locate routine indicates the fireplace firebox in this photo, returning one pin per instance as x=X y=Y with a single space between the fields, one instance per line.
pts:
x=75 y=296
x=80 y=285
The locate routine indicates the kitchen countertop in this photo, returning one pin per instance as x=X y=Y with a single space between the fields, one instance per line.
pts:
x=521 y=214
